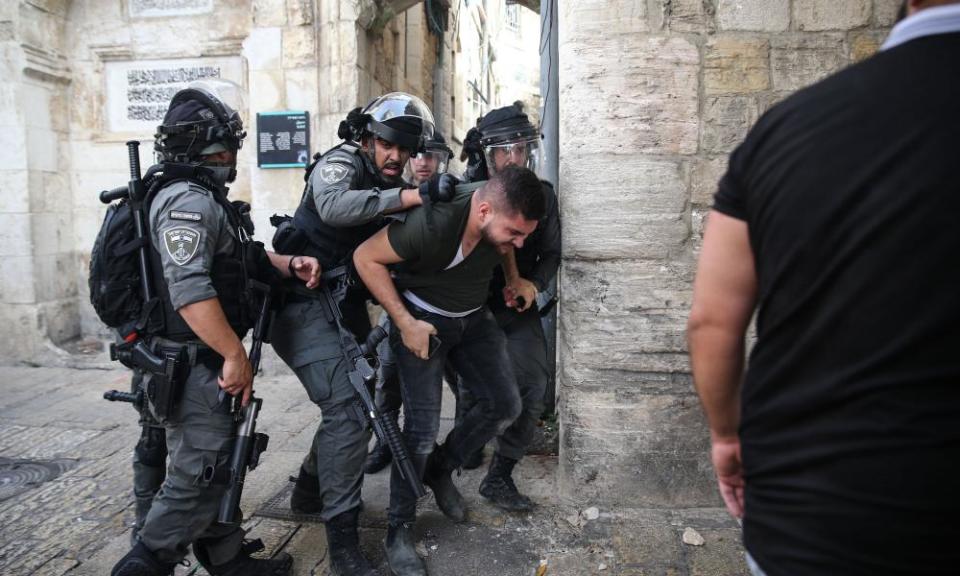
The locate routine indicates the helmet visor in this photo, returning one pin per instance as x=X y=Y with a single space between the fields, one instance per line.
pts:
x=523 y=152
x=401 y=118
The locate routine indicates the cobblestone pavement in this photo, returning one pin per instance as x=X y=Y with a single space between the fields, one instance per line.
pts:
x=54 y=422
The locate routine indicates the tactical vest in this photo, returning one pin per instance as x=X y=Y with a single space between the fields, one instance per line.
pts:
x=229 y=275
x=328 y=244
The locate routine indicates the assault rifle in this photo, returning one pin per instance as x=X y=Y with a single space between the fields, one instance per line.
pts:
x=169 y=368
x=363 y=376
x=249 y=444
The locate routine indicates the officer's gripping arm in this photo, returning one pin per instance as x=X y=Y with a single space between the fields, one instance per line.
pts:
x=341 y=202
x=371 y=260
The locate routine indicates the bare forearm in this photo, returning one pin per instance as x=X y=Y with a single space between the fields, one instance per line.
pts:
x=376 y=277
x=508 y=260
x=207 y=320
x=716 y=356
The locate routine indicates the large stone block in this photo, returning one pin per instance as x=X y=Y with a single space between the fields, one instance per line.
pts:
x=830 y=14
x=11 y=113
x=263 y=49
x=798 y=60
x=13 y=142
x=299 y=12
x=736 y=64
x=266 y=90
x=299 y=47
x=694 y=16
x=60 y=320
x=16 y=282
x=640 y=450
x=16 y=193
x=705 y=175
x=584 y=19
x=19 y=340
x=650 y=94
x=52 y=232
x=55 y=277
x=269 y=13
x=16 y=238
x=726 y=120
x=601 y=288
x=302 y=86
x=885 y=12
x=760 y=15
x=622 y=209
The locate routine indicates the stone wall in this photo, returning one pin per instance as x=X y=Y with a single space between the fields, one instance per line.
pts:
x=38 y=285
x=65 y=65
x=654 y=95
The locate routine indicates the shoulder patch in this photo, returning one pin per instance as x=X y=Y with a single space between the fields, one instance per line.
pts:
x=184 y=215
x=333 y=172
x=181 y=244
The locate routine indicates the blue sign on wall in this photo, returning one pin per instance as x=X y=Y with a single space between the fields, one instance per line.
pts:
x=283 y=139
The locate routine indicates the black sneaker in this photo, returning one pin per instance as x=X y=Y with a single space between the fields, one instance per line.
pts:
x=498 y=487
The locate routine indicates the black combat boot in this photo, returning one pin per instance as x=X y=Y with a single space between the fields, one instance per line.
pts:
x=243 y=564
x=140 y=561
x=499 y=489
x=305 y=498
x=473 y=460
x=343 y=544
x=378 y=458
x=402 y=551
x=437 y=477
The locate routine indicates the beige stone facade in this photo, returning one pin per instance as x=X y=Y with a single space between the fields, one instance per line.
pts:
x=654 y=96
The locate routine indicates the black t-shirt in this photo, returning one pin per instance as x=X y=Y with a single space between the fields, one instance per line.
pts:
x=851 y=404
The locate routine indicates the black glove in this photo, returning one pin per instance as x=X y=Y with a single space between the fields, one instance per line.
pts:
x=440 y=188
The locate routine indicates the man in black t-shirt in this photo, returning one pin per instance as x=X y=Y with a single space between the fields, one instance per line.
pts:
x=836 y=223
x=444 y=256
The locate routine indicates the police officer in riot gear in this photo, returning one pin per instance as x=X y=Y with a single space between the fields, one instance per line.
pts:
x=505 y=136
x=350 y=190
x=202 y=258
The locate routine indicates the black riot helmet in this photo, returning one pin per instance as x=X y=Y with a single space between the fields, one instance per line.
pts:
x=508 y=133
x=202 y=119
x=397 y=117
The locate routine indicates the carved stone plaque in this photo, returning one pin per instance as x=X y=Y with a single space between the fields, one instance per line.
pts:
x=155 y=8
x=138 y=91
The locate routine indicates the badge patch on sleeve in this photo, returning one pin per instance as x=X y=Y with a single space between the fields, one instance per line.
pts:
x=332 y=173
x=182 y=244
x=183 y=215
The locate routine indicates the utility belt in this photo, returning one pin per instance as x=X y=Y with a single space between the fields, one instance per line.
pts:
x=168 y=364
x=296 y=291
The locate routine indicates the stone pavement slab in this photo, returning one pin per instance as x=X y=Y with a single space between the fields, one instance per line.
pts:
x=77 y=523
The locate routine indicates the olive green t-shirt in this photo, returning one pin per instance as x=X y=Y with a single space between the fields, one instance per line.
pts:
x=428 y=240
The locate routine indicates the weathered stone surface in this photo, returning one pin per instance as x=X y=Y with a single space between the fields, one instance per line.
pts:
x=726 y=120
x=597 y=16
x=798 y=60
x=885 y=12
x=736 y=64
x=269 y=12
x=649 y=219
x=865 y=44
x=299 y=12
x=705 y=174
x=764 y=15
x=691 y=15
x=263 y=49
x=299 y=47
x=830 y=14
x=650 y=94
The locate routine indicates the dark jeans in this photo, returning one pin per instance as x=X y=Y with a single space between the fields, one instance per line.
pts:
x=528 y=354
x=477 y=349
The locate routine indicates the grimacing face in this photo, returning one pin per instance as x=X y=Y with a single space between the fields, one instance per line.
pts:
x=503 y=230
x=388 y=157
